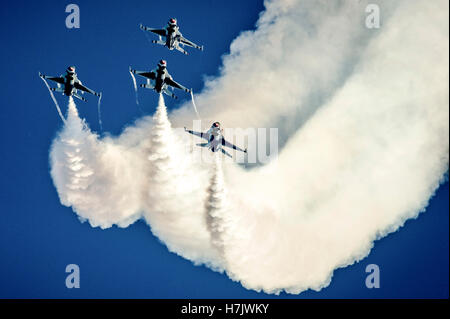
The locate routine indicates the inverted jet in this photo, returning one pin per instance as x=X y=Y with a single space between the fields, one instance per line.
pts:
x=171 y=37
x=215 y=140
x=160 y=80
x=68 y=84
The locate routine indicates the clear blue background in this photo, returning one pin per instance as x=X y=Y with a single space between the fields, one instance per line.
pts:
x=39 y=236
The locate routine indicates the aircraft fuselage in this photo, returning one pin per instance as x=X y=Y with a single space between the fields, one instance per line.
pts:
x=214 y=139
x=171 y=38
x=69 y=84
x=159 y=82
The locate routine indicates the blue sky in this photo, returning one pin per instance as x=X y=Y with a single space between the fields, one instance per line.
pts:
x=39 y=236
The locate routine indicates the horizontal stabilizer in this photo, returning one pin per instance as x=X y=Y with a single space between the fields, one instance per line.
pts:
x=226 y=153
x=58 y=89
x=147 y=86
x=166 y=91
x=79 y=97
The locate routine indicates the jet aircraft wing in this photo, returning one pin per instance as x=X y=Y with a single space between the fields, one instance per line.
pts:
x=58 y=79
x=160 y=32
x=199 y=134
x=228 y=144
x=185 y=41
x=81 y=87
x=171 y=82
x=146 y=74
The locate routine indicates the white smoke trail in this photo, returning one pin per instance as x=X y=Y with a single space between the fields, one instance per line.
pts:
x=54 y=101
x=99 y=112
x=135 y=87
x=217 y=207
x=175 y=194
x=99 y=179
x=362 y=115
x=193 y=104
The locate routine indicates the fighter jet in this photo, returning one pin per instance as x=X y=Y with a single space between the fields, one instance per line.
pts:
x=160 y=80
x=172 y=37
x=69 y=84
x=215 y=139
